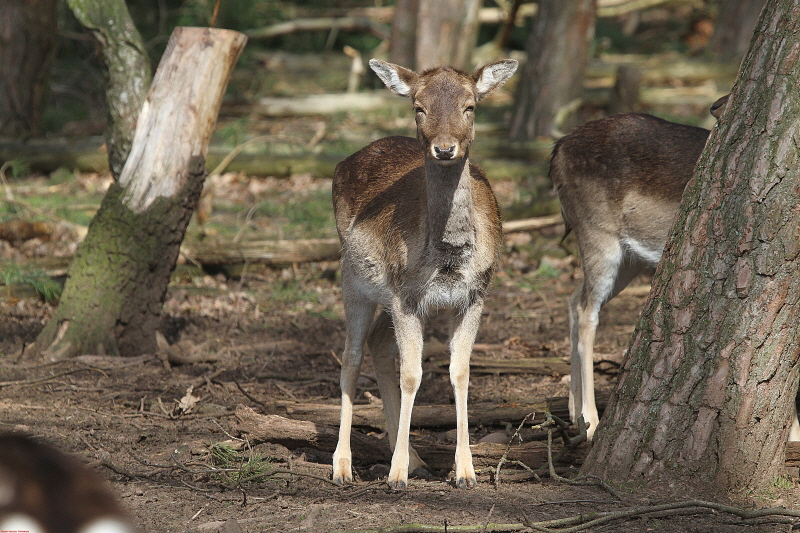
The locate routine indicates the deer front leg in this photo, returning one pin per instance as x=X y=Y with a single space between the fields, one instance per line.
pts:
x=358 y=316
x=408 y=333
x=383 y=349
x=465 y=327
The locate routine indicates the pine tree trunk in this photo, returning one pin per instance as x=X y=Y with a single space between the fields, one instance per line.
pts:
x=552 y=76
x=117 y=283
x=127 y=72
x=706 y=394
x=27 y=49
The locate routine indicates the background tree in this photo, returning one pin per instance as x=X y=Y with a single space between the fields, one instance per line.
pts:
x=552 y=77
x=27 y=49
x=733 y=28
x=707 y=391
x=428 y=33
x=403 y=46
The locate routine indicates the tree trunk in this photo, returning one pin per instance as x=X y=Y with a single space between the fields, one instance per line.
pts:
x=446 y=33
x=705 y=398
x=734 y=27
x=552 y=76
x=112 y=298
x=27 y=49
x=127 y=72
x=402 y=48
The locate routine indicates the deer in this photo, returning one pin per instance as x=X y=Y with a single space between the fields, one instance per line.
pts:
x=620 y=181
x=420 y=233
x=44 y=490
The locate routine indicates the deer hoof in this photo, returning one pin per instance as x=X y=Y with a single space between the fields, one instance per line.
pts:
x=397 y=485
x=466 y=482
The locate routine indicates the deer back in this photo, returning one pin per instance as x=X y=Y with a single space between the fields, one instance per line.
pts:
x=625 y=174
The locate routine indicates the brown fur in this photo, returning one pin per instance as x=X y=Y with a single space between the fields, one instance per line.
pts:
x=420 y=232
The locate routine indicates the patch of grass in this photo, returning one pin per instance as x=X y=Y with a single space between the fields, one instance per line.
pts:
x=239 y=467
x=292 y=291
x=45 y=287
x=300 y=215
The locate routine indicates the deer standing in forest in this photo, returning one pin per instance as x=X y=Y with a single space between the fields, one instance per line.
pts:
x=420 y=232
x=620 y=181
x=45 y=491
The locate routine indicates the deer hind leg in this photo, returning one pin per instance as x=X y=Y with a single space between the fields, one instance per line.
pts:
x=606 y=273
x=384 y=352
x=408 y=330
x=359 y=314
x=464 y=329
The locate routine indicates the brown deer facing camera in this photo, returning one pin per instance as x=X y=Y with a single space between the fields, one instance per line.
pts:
x=620 y=181
x=420 y=232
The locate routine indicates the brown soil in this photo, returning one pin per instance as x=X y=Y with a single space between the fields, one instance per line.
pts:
x=275 y=335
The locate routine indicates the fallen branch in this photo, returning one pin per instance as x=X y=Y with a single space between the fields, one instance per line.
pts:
x=321 y=24
x=586 y=521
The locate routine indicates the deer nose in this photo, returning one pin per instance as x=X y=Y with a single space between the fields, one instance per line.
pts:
x=444 y=152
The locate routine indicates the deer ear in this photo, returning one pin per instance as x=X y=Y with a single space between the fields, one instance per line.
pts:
x=492 y=76
x=395 y=77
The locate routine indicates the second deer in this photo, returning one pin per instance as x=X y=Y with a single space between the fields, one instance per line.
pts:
x=620 y=181
x=420 y=232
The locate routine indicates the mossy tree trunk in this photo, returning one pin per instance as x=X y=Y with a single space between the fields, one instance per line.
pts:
x=127 y=73
x=552 y=76
x=705 y=398
x=27 y=49
x=117 y=283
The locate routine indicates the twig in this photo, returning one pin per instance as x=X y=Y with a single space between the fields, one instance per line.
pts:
x=247 y=394
x=504 y=458
x=488 y=516
x=48 y=378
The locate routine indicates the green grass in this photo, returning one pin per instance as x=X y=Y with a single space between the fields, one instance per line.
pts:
x=45 y=287
x=239 y=467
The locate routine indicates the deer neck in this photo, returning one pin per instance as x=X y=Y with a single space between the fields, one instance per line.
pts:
x=448 y=224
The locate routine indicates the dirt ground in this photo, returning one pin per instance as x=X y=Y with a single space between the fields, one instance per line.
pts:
x=274 y=335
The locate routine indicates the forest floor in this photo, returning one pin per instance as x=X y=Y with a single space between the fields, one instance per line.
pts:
x=274 y=335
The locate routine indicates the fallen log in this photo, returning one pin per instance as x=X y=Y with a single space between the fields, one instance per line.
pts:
x=296 y=434
x=321 y=24
x=280 y=252
x=275 y=253
x=543 y=366
x=429 y=416
x=366 y=449
x=300 y=434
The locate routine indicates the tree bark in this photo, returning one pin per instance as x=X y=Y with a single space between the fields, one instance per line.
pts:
x=552 y=76
x=27 y=49
x=402 y=48
x=112 y=298
x=706 y=395
x=734 y=27
x=446 y=33
x=127 y=72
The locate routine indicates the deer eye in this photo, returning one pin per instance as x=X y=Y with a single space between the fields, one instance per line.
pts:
x=418 y=110
x=469 y=109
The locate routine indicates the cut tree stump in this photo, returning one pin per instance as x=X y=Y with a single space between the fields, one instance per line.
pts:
x=118 y=281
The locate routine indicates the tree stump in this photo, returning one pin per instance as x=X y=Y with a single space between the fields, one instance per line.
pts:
x=118 y=281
